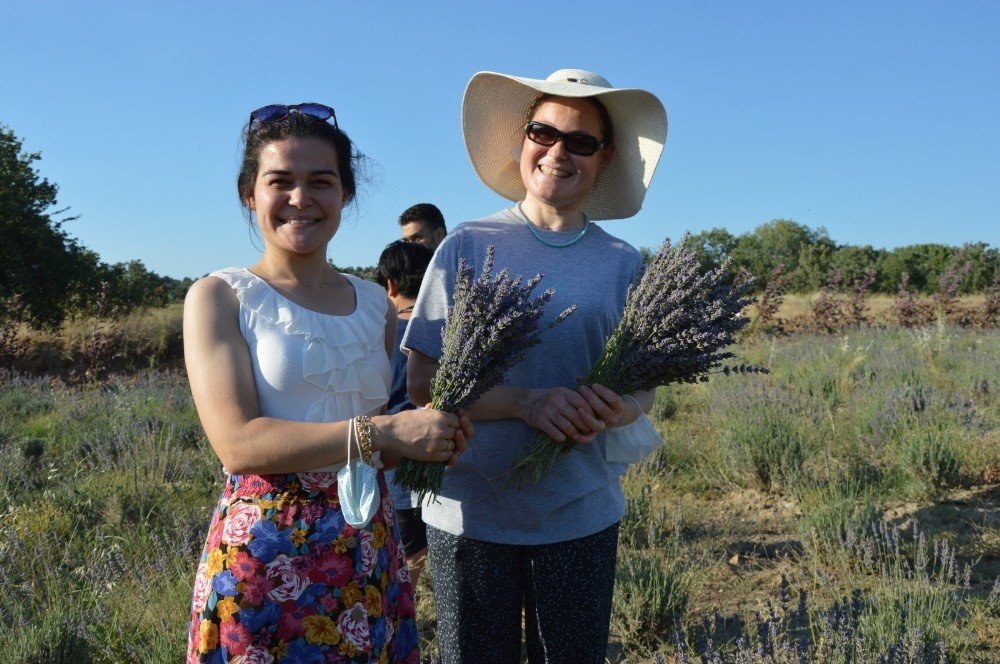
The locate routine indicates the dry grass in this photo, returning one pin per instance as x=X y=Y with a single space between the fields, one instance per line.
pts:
x=142 y=339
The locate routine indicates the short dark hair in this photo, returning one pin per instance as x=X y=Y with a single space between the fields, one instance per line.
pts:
x=405 y=263
x=426 y=212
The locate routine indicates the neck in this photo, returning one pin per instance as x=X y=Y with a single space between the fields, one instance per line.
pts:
x=308 y=270
x=404 y=305
x=552 y=217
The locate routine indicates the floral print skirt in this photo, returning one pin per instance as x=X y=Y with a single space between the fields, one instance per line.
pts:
x=283 y=578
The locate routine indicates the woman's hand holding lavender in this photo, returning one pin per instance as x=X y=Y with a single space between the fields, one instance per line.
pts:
x=561 y=413
x=423 y=434
x=675 y=326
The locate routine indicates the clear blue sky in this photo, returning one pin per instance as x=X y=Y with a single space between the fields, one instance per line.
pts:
x=877 y=120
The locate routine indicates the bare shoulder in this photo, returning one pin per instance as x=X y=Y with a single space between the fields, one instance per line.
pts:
x=209 y=300
x=210 y=291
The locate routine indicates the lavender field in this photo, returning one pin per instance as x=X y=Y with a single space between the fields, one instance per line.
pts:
x=844 y=508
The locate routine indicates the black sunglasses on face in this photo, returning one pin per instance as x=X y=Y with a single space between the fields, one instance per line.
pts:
x=275 y=112
x=575 y=142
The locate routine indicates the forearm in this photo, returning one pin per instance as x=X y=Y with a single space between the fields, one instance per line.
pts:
x=266 y=445
x=644 y=398
x=503 y=402
x=420 y=370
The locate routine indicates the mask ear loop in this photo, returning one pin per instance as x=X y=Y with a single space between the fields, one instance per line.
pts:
x=350 y=438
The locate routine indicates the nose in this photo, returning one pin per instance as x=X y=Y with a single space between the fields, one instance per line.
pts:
x=298 y=196
x=557 y=150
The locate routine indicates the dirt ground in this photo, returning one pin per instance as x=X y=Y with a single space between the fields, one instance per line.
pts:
x=745 y=534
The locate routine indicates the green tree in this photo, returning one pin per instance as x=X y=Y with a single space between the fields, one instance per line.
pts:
x=815 y=263
x=923 y=262
x=984 y=262
x=711 y=247
x=853 y=261
x=133 y=286
x=784 y=241
x=38 y=260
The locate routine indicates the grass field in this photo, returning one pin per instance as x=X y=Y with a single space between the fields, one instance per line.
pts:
x=845 y=508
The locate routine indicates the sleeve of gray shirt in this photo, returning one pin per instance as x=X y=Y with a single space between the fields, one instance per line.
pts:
x=436 y=295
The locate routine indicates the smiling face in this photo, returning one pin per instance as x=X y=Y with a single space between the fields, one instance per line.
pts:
x=298 y=195
x=552 y=176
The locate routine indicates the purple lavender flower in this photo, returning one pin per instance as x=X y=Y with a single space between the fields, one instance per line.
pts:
x=676 y=324
x=489 y=329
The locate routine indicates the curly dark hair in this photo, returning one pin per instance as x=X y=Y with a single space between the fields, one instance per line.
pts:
x=405 y=263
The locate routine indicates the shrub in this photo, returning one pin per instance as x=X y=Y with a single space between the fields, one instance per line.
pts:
x=12 y=344
x=950 y=281
x=771 y=298
x=857 y=304
x=907 y=311
x=762 y=439
x=991 y=302
x=831 y=508
x=900 y=600
x=651 y=596
x=827 y=312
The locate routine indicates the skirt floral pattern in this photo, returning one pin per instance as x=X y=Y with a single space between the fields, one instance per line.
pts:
x=284 y=579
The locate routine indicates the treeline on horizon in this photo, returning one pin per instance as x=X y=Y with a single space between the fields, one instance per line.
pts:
x=47 y=276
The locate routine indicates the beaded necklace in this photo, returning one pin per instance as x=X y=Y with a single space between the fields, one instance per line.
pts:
x=547 y=243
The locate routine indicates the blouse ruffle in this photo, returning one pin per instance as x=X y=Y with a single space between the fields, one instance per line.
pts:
x=336 y=350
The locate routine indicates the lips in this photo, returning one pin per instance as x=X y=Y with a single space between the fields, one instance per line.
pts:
x=299 y=222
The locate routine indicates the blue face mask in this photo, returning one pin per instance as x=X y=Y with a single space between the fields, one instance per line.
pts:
x=357 y=487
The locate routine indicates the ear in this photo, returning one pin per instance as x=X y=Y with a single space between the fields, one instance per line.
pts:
x=391 y=288
x=439 y=234
x=606 y=155
x=250 y=203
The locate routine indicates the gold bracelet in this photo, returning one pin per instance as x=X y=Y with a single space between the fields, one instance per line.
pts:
x=363 y=427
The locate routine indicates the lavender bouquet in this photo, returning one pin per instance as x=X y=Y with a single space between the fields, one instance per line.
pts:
x=489 y=329
x=676 y=324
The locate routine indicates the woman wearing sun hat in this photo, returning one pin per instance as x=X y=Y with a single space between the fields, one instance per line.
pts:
x=567 y=150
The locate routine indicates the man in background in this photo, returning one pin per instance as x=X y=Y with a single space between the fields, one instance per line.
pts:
x=400 y=271
x=423 y=223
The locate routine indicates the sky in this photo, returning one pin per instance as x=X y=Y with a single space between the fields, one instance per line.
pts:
x=879 y=121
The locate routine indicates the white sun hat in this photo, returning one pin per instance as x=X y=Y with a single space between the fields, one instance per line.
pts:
x=493 y=117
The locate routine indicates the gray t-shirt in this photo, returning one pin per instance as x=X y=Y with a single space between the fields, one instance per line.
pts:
x=582 y=493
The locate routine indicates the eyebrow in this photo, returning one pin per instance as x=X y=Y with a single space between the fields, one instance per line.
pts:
x=284 y=172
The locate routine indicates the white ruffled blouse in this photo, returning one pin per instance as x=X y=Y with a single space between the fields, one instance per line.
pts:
x=309 y=366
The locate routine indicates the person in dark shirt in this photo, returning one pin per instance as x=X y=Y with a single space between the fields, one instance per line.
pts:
x=400 y=271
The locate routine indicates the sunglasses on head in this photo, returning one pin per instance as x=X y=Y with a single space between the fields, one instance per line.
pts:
x=275 y=112
x=575 y=142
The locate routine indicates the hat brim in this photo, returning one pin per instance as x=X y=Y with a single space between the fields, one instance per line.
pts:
x=493 y=109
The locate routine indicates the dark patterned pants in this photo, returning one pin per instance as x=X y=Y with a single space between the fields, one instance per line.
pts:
x=480 y=589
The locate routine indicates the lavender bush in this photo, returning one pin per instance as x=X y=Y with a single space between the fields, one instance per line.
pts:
x=676 y=324
x=489 y=329
x=106 y=492
x=919 y=613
